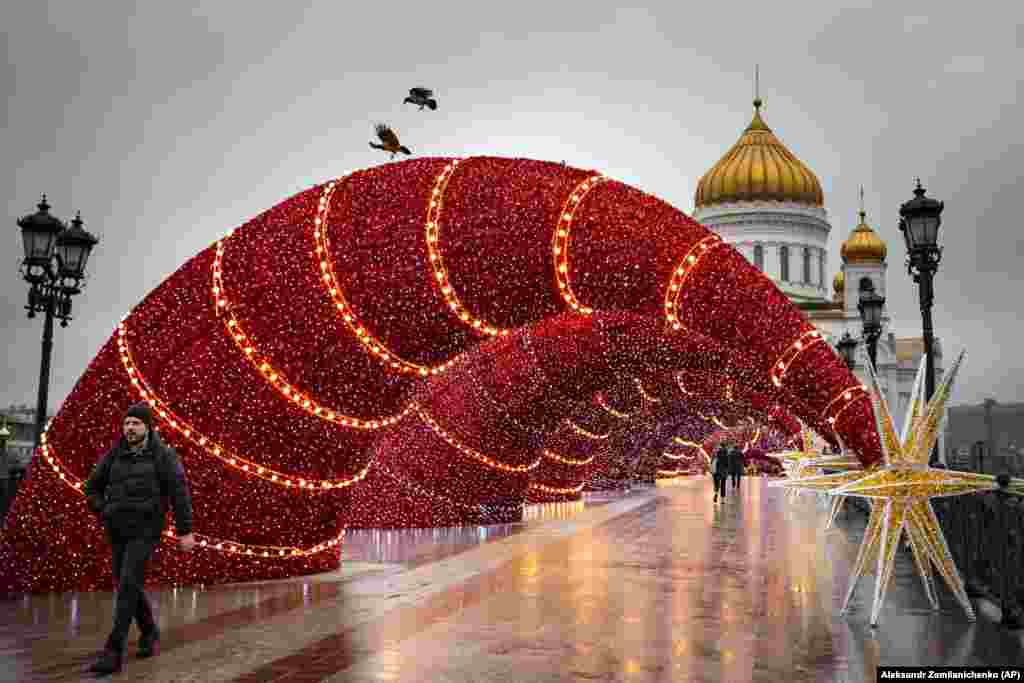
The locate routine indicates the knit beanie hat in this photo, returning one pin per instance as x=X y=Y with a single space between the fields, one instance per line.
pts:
x=142 y=411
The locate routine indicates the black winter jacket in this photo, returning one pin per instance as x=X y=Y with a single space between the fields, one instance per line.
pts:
x=131 y=491
x=720 y=464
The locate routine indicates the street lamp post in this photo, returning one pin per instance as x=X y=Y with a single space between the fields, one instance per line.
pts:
x=920 y=219
x=847 y=347
x=870 y=306
x=979 y=450
x=54 y=268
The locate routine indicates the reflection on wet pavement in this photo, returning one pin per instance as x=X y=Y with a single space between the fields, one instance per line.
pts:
x=660 y=585
x=415 y=547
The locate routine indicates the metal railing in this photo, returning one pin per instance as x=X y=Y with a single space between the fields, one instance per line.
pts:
x=985 y=534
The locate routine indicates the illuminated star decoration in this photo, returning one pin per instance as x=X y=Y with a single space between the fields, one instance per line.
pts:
x=801 y=464
x=850 y=463
x=900 y=491
x=843 y=463
x=846 y=462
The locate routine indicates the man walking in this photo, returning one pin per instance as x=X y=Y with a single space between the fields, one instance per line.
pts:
x=737 y=463
x=720 y=470
x=129 y=488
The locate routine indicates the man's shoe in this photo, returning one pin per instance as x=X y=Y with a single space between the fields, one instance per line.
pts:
x=149 y=646
x=108 y=663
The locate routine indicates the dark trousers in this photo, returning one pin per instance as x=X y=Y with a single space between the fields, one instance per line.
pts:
x=720 y=480
x=736 y=479
x=130 y=555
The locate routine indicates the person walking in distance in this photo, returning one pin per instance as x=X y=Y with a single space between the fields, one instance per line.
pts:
x=720 y=470
x=736 y=465
x=129 y=489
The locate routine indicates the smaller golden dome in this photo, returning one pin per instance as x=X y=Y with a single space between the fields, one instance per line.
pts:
x=839 y=285
x=863 y=245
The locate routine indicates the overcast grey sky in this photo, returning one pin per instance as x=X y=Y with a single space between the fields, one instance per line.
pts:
x=167 y=125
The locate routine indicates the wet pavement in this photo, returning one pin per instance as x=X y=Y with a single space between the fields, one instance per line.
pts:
x=658 y=585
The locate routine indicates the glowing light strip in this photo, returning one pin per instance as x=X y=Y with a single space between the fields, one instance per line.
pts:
x=835 y=418
x=714 y=420
x=686 y=392
x=583 y=432
x=677 y=456
x=466 y=450
x=568 y=461
x=643 y=393
x=562 y=492
x=803 y=342
x=753 y=440
x=271 y=374
x=330 y=280
x=682 y=442
x=433 y=233
x=560 y=242
x=617 y=413
x=203 y=541
x=682 y=272
x=670 y=473
x=204 y=443
x=845 y=394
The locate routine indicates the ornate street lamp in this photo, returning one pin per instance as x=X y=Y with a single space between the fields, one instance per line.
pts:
x=847 y=347
x=54 y=268
x=870 y=306
x=920 y=219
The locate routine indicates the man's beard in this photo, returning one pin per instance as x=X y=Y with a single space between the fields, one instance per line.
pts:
x=135 y=439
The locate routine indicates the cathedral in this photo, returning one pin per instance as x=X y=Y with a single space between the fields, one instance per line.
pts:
x=766 y=202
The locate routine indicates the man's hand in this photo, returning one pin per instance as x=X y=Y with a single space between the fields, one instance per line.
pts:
x=187 y=542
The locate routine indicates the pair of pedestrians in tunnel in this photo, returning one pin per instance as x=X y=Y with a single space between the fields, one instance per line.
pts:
x=736 y=465
x=727 y=464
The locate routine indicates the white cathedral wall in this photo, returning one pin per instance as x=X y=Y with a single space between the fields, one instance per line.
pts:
x=773 y=224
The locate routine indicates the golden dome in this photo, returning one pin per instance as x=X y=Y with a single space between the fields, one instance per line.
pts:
x=863 y=245
x=839 y=285
x=758 y=167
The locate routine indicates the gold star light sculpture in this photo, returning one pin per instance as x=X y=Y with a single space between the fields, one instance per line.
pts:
x=850 y=463
x=900 y=491
x=843 y=463
x=797 y=464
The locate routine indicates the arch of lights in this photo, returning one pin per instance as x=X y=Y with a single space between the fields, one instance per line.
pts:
x=387 y=313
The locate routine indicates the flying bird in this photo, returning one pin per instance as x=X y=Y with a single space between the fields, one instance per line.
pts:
x=424 y=97
x=389 y=141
